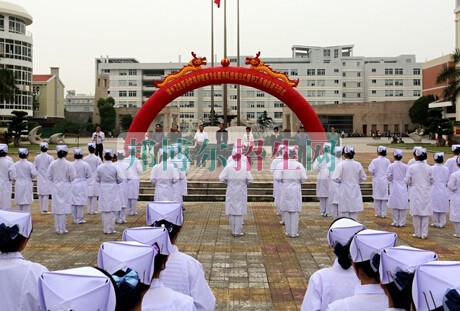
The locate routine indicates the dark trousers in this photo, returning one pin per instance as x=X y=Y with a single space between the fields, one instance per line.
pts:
x=302 y=155
x=99 y=151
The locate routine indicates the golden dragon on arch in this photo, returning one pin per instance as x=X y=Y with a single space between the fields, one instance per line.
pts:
x=193 y=65
x=257 y=64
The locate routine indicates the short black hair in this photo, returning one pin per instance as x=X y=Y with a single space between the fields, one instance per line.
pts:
x=9 y=244
x=61 y=154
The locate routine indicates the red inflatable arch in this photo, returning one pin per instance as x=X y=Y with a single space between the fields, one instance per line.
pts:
x=258 y=76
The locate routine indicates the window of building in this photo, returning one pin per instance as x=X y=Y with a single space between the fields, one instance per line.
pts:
x=336 y=53
x=399 y=71
x=189 y=94
x=388 y=71
x=132 y=72
x=311 y=93
x=399 y=93
x=344 y=63
x=374 y=70
x=294 y=72
x=321 y=72
x=278 y=115
x=250 y=115
x=344 y=74
x=399 y=82
x=358 y=84
x=260 y=104
x=260 y=94
x=389 y=93
x=122 y=83
x=336 y=70
x=344 y=95
x=310 y=72
x=336 y=91
x=416 y=71
x=374 y=92
x=132 y=93
x=122 y=93
x=250 y=93
x=417 y=93
x=278 y=105
x=321 y=82
x=233 y=96
x=358 y=94
x=132 y=83
x=311 y=82
x=358 y=64
x=336 y=102
x=389 y=82
x=321 y=93
x=17 y=25
x=358 y=74
x=327 y=53
x=122 y=73
x=416 y=81
x=2 y=22
x=336 y=81
x=344 y=84
x=251 y=104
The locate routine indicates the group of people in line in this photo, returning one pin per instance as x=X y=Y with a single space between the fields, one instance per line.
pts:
x=427 y=191
x=145 y=271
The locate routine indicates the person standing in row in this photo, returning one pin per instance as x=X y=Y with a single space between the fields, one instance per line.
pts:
x=378 y=169
x=61 y=174
x=398 y=199
x=108 y=177
x=451 y=163
x=163 y=176
x=23 y=188
x=322 y=166
x=301 y=139
x=120 y=217
x=44 y=186
x=93 y=187
x=275 y=141
x=98 y=138
x=133 y=174
x=333 y=199
x=200 y=139
x=440 y=192
x=79 y=186
x=7 y=175
x=454 y=186
x=222 y=143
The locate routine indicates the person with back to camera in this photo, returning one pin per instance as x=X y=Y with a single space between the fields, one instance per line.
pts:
x=98 y=138
x=23 y=188
x=42 y=162
x=398 y=199
x=78 y=187
x=120 y=217
x=7 y=175
x=322 y=289
x=440 y=192
x=322 y=165
x=333 y=199
x=454 y=186
x=133 y=175
x=19 y=290
x=378 y=168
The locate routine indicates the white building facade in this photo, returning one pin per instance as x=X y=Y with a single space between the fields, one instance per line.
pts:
x=78 y=102
x=16 y=54
x=328 y=75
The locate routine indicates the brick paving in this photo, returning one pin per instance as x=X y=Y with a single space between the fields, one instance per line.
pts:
x=263 y=270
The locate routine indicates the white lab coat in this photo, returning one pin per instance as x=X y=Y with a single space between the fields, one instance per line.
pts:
x=94 y=162
x=79 y=186
x=349 y=174
x=162 y=298
x=276 y=184
x=133 y=174
x=7 y=174
x=439 y=191
x=451 y=165
x=322 y=287
x=399 y=196
x=454 y=186
x=420 y=179
x=290 y=179
x=19 y=282
x=182 y=163
x=322 y=166
x=237 y=177
x=185 y=274
x=23 y=188
x=367 y=298
x=61 y=173
x=108 y=176
x=163 y=176
x=333 y=186
x=378 y=169
x=123 y=186
x=42 y=162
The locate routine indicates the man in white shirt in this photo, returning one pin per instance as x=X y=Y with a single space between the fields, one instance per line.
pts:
x=98 y=138
x=200 y=138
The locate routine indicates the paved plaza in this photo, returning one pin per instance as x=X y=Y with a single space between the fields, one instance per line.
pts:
x=262 y=270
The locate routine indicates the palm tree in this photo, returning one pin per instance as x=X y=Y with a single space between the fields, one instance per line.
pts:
x=451 y=75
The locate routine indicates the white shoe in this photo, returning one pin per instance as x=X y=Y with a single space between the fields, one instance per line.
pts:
x=296 y=235
x=82 y=222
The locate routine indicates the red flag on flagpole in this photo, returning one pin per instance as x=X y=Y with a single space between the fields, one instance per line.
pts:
x=217 y=2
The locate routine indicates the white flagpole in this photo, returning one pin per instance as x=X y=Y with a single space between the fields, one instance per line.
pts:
x=213 y=112
x=238 y=102
x=224 y=95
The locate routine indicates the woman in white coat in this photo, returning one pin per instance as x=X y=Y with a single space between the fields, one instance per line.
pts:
x=420 y=179
x=7 y=175
x=134 y=180
x=108 y=177
x=44 y=185
x=454 y=186
x=79 y=186
x=23 y=188
x=440 y=192
x=378 y=169
x=291 y=176
x=237 y=178
x=398 y=200
x=349 y=174
x=322 y=165
x=93 y=187
x=163 y=177
x=333 y=200
x=61 y=174
x=279 y=158
x=120 y=217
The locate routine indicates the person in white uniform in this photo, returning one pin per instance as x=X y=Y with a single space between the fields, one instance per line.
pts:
x=349 y=174
x=182 y=164
x=7 y=175
x=333 y=199
x=120 y=217
x=79 y=186
x=108 y=176
x=183 y=273
x=322 y=167
x=237 y=178
x=93 y=187
x=200 y=139
x=454 y=186
x=291 y=176
x=19 y=276
x=61 y=173
x=44 y=185
x=451 y=163
x=378 y=169
x=398 y=199
x=439 y=191
x=413 y=160
x=368 y=296
x=420 y=179
x=23 y=188
x=163 y=176
x=322 y=287
x=133 y=177
x=279 y=158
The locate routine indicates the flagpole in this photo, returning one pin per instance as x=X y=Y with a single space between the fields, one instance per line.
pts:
x=238 y=102
x=212 y=63
x=224 y=95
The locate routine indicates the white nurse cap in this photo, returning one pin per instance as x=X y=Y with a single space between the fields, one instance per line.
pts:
x=165 y=210
x=44 y=145
x=22 y=219
x=398 y=152
x=381 y=148
x=23 y=151
x=93 y=145
x=109 y=152
x=150 y=236
x=342 y=230
x=437 y=155
x=4 y=147
x=78 y=151
x=368 y=242
x=62 y=148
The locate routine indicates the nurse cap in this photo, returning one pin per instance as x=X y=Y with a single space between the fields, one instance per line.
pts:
x=114 y=256
x=431 y=282
x=338 y=150
x=368 y=242
x=44 y=144
x=381 y=148
x=451 y=301
x=398 y=152
x=62 y=148
x=437 y=155
x=419 y=151
x=121 y=152
x=84 y=288
x=348 y=149
x=78 y=151
x=22 y=219
x=150 y=236
x=23 y=151
x=109 y=152
x=93 y=145
x=402 y=258
x=4 y=147
x=454 y=147
x=415 y=148
x=165 y=210
x=342 y=230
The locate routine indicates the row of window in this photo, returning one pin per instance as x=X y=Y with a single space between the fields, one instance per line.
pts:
x=129 y=72
x=16 y=49
x=127 y=93
x=253 y=115
x=388 y=71
x=23 y=75
x=15 y=24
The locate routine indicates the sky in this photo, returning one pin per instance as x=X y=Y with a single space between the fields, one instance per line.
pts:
x=72 y=34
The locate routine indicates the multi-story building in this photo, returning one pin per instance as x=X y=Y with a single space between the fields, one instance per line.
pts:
x=328 y=75
x=48 y=92
x=16 y=55
x=78 y=102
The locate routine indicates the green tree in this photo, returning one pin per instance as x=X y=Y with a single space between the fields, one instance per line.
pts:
x=8 y=86
x=107 y=114
x=419 y=112
x=125 y=121
x=451 y=75
x=264 y=121
x=17 y=126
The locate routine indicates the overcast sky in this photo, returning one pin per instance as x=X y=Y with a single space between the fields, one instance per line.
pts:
x=71 y=34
